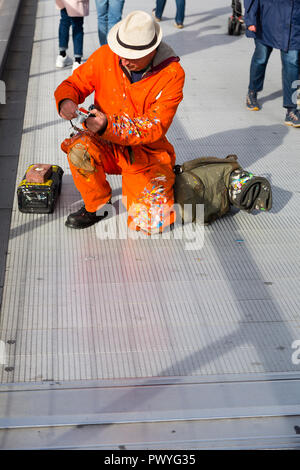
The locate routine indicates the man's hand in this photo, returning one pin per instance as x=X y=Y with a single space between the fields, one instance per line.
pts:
x=97 y=123
x=68 y=109
x=252 y=28
x=94 y=124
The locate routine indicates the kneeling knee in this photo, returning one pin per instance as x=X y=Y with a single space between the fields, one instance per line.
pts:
x=81 y=159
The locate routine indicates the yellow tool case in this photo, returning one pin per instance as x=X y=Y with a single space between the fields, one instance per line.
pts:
x=40 y=197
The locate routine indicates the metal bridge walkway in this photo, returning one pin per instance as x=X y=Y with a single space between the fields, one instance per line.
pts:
x=124 y=343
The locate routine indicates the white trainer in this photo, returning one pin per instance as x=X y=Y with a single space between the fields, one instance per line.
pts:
x=75 y=65
x=63 y=61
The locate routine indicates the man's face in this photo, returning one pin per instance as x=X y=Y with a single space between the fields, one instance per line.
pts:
x=134 y=65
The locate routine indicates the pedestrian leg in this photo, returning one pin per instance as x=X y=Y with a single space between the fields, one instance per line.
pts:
x=77 y=32
x=180 y=12
x=160 y=6
x=257 y=74
x=102 y=15
x=64 y=30
x=63 y=60
x=115 y=9
x=290 y=80
x=290 y=77
x=258 y=66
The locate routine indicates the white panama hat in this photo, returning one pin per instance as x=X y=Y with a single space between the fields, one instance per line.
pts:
x=135 y=36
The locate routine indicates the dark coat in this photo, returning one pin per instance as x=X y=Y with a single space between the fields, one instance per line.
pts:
x=277 y=22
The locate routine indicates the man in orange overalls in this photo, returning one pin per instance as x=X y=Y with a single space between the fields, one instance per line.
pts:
x=138 y=83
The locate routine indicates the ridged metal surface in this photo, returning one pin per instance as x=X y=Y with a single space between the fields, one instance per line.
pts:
x=76 y=307
x=170 y=413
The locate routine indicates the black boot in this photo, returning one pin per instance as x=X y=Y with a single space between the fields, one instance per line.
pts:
x=83 y=218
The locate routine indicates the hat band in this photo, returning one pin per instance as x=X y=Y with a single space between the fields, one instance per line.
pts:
x=137 y=48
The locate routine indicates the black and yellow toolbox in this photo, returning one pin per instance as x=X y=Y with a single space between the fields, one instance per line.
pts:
x=40 y=188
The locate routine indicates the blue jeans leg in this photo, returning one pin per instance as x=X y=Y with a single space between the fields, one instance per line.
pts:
x=63 y=30
x=180 y=8
x=77 y=33
x=109 y=12
x=115 y=9
x=102 y=15
x=290 y=74
x=258 y=66
x=160 y=6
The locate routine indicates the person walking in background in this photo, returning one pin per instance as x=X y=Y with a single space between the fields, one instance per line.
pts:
x=71 y=14
x=109 y=12
x=180 y=11
x=274 y=25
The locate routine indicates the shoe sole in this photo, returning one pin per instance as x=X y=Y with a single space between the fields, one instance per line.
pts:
x=253 y=109
x=153 y=14
x=291 y=124
x=76 y=227
x=63 y=66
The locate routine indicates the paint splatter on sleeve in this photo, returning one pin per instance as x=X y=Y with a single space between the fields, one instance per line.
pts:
x=125 y=130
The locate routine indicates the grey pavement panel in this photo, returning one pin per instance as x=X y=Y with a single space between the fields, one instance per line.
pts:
x=8 y=14
x=10 y=136
x=14 y=107
x=7 y=180
x=18 y=60
x=5 y=217
x=79 y=306
x=226 y=434
x=15 y=79
x=152 y=414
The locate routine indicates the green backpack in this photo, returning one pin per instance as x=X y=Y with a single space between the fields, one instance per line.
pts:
x=205 y=181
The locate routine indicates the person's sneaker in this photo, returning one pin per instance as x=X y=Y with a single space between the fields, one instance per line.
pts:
x=292 y=118
x=154 y=16
x=63 y=61
x=83 y=218
x=178 y=25
x=75 y=65
x=251 y=101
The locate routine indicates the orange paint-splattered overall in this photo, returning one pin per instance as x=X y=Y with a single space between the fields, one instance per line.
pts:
x=139 y=115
